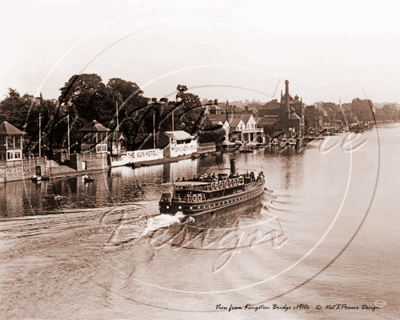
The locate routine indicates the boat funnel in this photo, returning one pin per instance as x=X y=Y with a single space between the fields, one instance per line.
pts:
x=233 y=166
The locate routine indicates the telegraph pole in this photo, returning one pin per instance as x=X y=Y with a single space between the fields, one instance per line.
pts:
x=40 y=136
x=154 y=130
x=69 y=147
x=116 y=107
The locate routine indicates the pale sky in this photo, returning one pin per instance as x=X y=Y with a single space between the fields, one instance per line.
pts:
x=233 y=50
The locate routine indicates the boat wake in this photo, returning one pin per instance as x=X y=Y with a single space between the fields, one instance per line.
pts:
x=165 y=220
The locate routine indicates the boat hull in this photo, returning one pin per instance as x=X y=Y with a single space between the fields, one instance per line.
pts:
x=211 y=205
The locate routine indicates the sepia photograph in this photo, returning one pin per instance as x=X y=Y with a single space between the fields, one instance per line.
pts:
x=199 y=159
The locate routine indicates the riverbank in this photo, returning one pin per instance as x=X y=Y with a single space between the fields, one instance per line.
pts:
x=63 y=171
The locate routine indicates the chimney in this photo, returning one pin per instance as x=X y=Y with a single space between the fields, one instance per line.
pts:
x=233 y=167
x=287 y=105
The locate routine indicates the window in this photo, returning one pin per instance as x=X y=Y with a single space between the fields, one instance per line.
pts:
x=10 y=143
x=17 y=142
x=2 y=141
x=10 y=155
x=17 y=155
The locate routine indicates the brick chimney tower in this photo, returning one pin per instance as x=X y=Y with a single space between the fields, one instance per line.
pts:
x=287 y=105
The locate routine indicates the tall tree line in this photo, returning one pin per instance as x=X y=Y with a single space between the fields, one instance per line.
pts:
x=85 y=98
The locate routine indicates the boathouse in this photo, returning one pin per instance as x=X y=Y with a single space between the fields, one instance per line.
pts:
x=241 y=127
x=116 y=143
x=180 y=143
x=93 y=145
x=13 y=166
x=94 y=138
x=11 y=143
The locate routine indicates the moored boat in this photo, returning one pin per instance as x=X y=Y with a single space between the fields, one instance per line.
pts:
x=245 y=148
x=275 y=142
x=88 y=178
x=214 y=193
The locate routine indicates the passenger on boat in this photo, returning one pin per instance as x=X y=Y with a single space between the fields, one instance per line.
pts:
x=183 y=179
x=178 y=180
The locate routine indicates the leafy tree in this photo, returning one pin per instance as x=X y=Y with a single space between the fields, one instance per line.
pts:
x=311 y=116
x=133 y=109
x=277 y=126
x=16 y=108
x=362 y=109
x=191 y=114
x=212 y=133
x=90 y=97
x=23 y=112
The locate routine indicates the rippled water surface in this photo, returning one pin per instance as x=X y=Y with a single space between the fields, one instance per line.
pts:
x=325 y=232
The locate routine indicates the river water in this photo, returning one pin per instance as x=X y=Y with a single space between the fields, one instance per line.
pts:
x=325 y=232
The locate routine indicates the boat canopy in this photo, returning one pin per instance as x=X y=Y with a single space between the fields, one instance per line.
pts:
x=191 y=183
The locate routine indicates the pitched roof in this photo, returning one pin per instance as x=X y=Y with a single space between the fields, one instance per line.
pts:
x=274 y=104
x=116 y=136
x=178 y=135
x=234 y=121
x=235 y=118
x=232 y=118
x=94 y=126
x=216 y=118
x=8 y=129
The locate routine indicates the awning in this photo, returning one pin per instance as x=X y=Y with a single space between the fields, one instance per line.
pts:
x=178 y=135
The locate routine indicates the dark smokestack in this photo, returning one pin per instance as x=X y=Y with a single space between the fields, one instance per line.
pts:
x=233 y=166
x=287 y=97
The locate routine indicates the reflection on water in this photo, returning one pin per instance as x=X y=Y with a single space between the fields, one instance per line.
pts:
x=117 y=186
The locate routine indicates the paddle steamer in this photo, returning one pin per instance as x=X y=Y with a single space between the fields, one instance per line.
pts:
x=214 y=193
